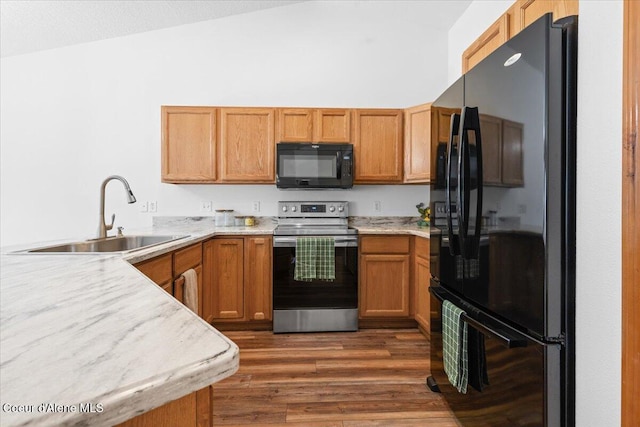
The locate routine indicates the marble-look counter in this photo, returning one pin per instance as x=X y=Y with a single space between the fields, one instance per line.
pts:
x=78 y=329
x=91 y=329
x=389 y=225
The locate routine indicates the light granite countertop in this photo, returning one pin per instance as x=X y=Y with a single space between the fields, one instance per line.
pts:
x=91 y=329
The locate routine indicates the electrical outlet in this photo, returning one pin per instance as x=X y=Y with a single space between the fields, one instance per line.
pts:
x=255 y=207
x=205 y=206
x=153 y=206
x=144 y=207
x=377 y=206
x=522 y=209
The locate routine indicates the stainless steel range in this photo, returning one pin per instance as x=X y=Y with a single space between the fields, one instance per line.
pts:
x=313 y=305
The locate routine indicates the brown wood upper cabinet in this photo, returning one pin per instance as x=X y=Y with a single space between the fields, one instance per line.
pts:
x=188 y=144
x=417 y=140
x=247 y=146
x=314 y=125
x=295 y=125
x=384 y=276
x=425 y=127
x=514 y=20
x=490 y=40
x=378 y=146
x=218 y=145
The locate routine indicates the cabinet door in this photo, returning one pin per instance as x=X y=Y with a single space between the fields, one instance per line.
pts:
x=490 y=40
x=512 y=174
x=417 y=142
x=159 y=270
x=207 y=281
x=295 y=125
x=528 y=11
x=247 y=147
x=183 y=260
x=179 y=289
x=177 y=413
x=491 y=130
x=378 y=146
x=258 y=278
x=384 y=286
x=422 y=277
x=193 y=410
x=332 y=125
x=227 y=279
x=188 y=144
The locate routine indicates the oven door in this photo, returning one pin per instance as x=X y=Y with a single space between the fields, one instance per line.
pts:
x=289 y=293
x=318 y=305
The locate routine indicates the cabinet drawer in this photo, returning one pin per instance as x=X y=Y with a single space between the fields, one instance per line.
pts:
x=157 y=269
x=384 y=245
x=422 y=247
x=187 y=258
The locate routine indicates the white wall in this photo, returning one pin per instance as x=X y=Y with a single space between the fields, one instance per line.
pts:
x=598 y=240
x=72 y=116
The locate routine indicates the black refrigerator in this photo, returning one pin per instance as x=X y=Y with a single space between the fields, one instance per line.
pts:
x=503 y=230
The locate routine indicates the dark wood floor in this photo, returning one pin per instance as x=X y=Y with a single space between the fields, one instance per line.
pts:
x=366 y=378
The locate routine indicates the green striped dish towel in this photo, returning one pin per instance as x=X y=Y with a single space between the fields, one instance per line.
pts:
x=315 y=259
x=454 y=346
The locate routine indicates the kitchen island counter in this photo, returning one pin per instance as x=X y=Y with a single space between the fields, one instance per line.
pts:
x=87 y=339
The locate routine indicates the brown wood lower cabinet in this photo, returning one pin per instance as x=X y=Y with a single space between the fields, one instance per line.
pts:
x=384 y=277
x=237 y=288
x=421 y=279
x=192 y=410
x=167 y=270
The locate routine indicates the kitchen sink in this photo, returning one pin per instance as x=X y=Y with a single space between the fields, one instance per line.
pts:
x=109 y=244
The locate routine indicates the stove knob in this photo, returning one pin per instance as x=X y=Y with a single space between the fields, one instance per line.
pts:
x=332 y=209
x=340 y=208
x=293 y=209
x=284 y=209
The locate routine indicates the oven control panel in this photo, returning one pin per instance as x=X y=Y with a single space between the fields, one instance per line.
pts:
x=313 y=209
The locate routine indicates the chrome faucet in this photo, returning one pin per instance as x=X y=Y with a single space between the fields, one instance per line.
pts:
x=103 y=227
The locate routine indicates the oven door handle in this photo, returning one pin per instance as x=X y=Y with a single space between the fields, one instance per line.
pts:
x=290 y=242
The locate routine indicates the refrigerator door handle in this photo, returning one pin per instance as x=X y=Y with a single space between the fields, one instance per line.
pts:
x=453 y=131
x=463 y=193
x=472 y=123
x=507 y=338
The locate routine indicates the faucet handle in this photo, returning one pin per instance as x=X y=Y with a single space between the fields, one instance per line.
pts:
x=110 y=226
x=120 y=231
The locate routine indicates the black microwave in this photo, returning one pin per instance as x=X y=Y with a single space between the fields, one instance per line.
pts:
x=306 y=165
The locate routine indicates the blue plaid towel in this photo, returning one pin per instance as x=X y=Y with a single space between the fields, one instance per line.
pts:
x=315 y=259
x=454 y=346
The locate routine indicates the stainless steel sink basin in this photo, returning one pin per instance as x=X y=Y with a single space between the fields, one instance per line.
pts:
x=109 y=244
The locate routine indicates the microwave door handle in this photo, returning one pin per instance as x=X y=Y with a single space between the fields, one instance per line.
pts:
x=338 y=165
x=453 y=131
